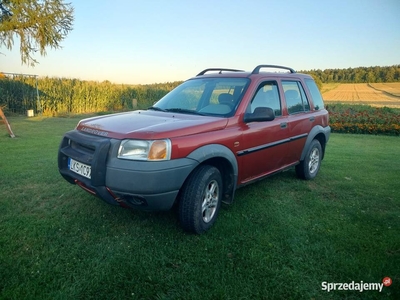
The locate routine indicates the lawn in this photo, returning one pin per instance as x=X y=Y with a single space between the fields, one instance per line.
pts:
x=280 y=239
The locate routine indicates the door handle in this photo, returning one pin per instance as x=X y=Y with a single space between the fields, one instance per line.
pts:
x=283 y=124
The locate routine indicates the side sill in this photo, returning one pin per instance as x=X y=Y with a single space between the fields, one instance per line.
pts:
x=261 y=177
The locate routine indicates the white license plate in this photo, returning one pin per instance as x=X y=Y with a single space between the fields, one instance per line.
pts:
x=79 y=168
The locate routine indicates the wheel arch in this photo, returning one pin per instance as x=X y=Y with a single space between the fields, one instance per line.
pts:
x=225 y=161
x=319 y=133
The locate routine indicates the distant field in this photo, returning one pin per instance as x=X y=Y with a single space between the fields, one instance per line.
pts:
x=374 y=94
x=391 y=88
x=326 y=87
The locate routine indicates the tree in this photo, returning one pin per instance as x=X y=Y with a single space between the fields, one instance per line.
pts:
x=39 y=24
x=389 y=76
x=370 y=77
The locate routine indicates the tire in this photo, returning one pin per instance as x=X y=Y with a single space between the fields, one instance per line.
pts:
x=200 y=199
x=309 y=167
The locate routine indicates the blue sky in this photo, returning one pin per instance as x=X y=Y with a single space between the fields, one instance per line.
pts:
x=148 y=41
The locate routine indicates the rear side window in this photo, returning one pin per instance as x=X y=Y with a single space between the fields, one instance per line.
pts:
x=296 y=99
x=315 y=94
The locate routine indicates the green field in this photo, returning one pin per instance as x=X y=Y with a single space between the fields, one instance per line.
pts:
x=280 y=239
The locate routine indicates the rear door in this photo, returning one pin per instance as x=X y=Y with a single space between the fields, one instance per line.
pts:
x=300 y=118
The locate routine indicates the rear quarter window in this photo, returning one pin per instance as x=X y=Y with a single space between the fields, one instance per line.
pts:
x=315 y=94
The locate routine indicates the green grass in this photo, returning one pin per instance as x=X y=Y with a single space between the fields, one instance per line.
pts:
x=280 y=239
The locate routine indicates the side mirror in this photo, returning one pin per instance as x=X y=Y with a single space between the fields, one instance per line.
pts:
x=260 y=114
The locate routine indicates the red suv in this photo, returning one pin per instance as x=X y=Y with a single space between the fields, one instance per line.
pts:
x=212 y=134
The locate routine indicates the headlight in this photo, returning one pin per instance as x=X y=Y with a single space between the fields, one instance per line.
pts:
x=145 y=150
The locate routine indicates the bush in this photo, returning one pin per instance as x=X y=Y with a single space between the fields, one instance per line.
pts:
x=364 y=119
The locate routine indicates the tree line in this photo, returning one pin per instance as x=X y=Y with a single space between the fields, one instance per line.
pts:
x=357 y=75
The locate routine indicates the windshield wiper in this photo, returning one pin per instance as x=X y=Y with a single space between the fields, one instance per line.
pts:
x=156 y=108
x=185 y=111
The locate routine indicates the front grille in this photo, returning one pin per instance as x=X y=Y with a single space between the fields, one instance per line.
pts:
x=82 y=147
x=88 y=149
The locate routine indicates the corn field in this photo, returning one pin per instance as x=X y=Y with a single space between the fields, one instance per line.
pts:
x=61 y=96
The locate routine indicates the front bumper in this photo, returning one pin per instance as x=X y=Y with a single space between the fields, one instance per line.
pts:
x=144 y=185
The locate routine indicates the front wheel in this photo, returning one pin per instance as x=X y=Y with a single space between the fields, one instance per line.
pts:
x=200 y=199
x=309 y=167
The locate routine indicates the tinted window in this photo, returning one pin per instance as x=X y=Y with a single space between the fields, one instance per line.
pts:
x=315 y=94
x=296 y=99
x=267 y=96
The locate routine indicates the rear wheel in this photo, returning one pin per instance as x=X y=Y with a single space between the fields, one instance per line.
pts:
x=200 y=199
x=309 y=167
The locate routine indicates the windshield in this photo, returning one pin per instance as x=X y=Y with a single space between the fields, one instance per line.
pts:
x=205 y=96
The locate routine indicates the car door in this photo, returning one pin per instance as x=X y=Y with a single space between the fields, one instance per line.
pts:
x=265 y=143
x=300 y=117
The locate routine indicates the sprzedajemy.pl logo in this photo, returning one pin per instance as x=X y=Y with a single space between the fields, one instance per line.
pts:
x=356 y=286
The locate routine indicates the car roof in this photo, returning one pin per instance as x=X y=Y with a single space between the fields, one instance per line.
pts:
x=257 y=72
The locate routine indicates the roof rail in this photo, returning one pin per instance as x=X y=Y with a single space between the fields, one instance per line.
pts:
x=257 y=69
x=218 y=69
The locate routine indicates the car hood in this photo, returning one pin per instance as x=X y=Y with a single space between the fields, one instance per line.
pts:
x=142 y=124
